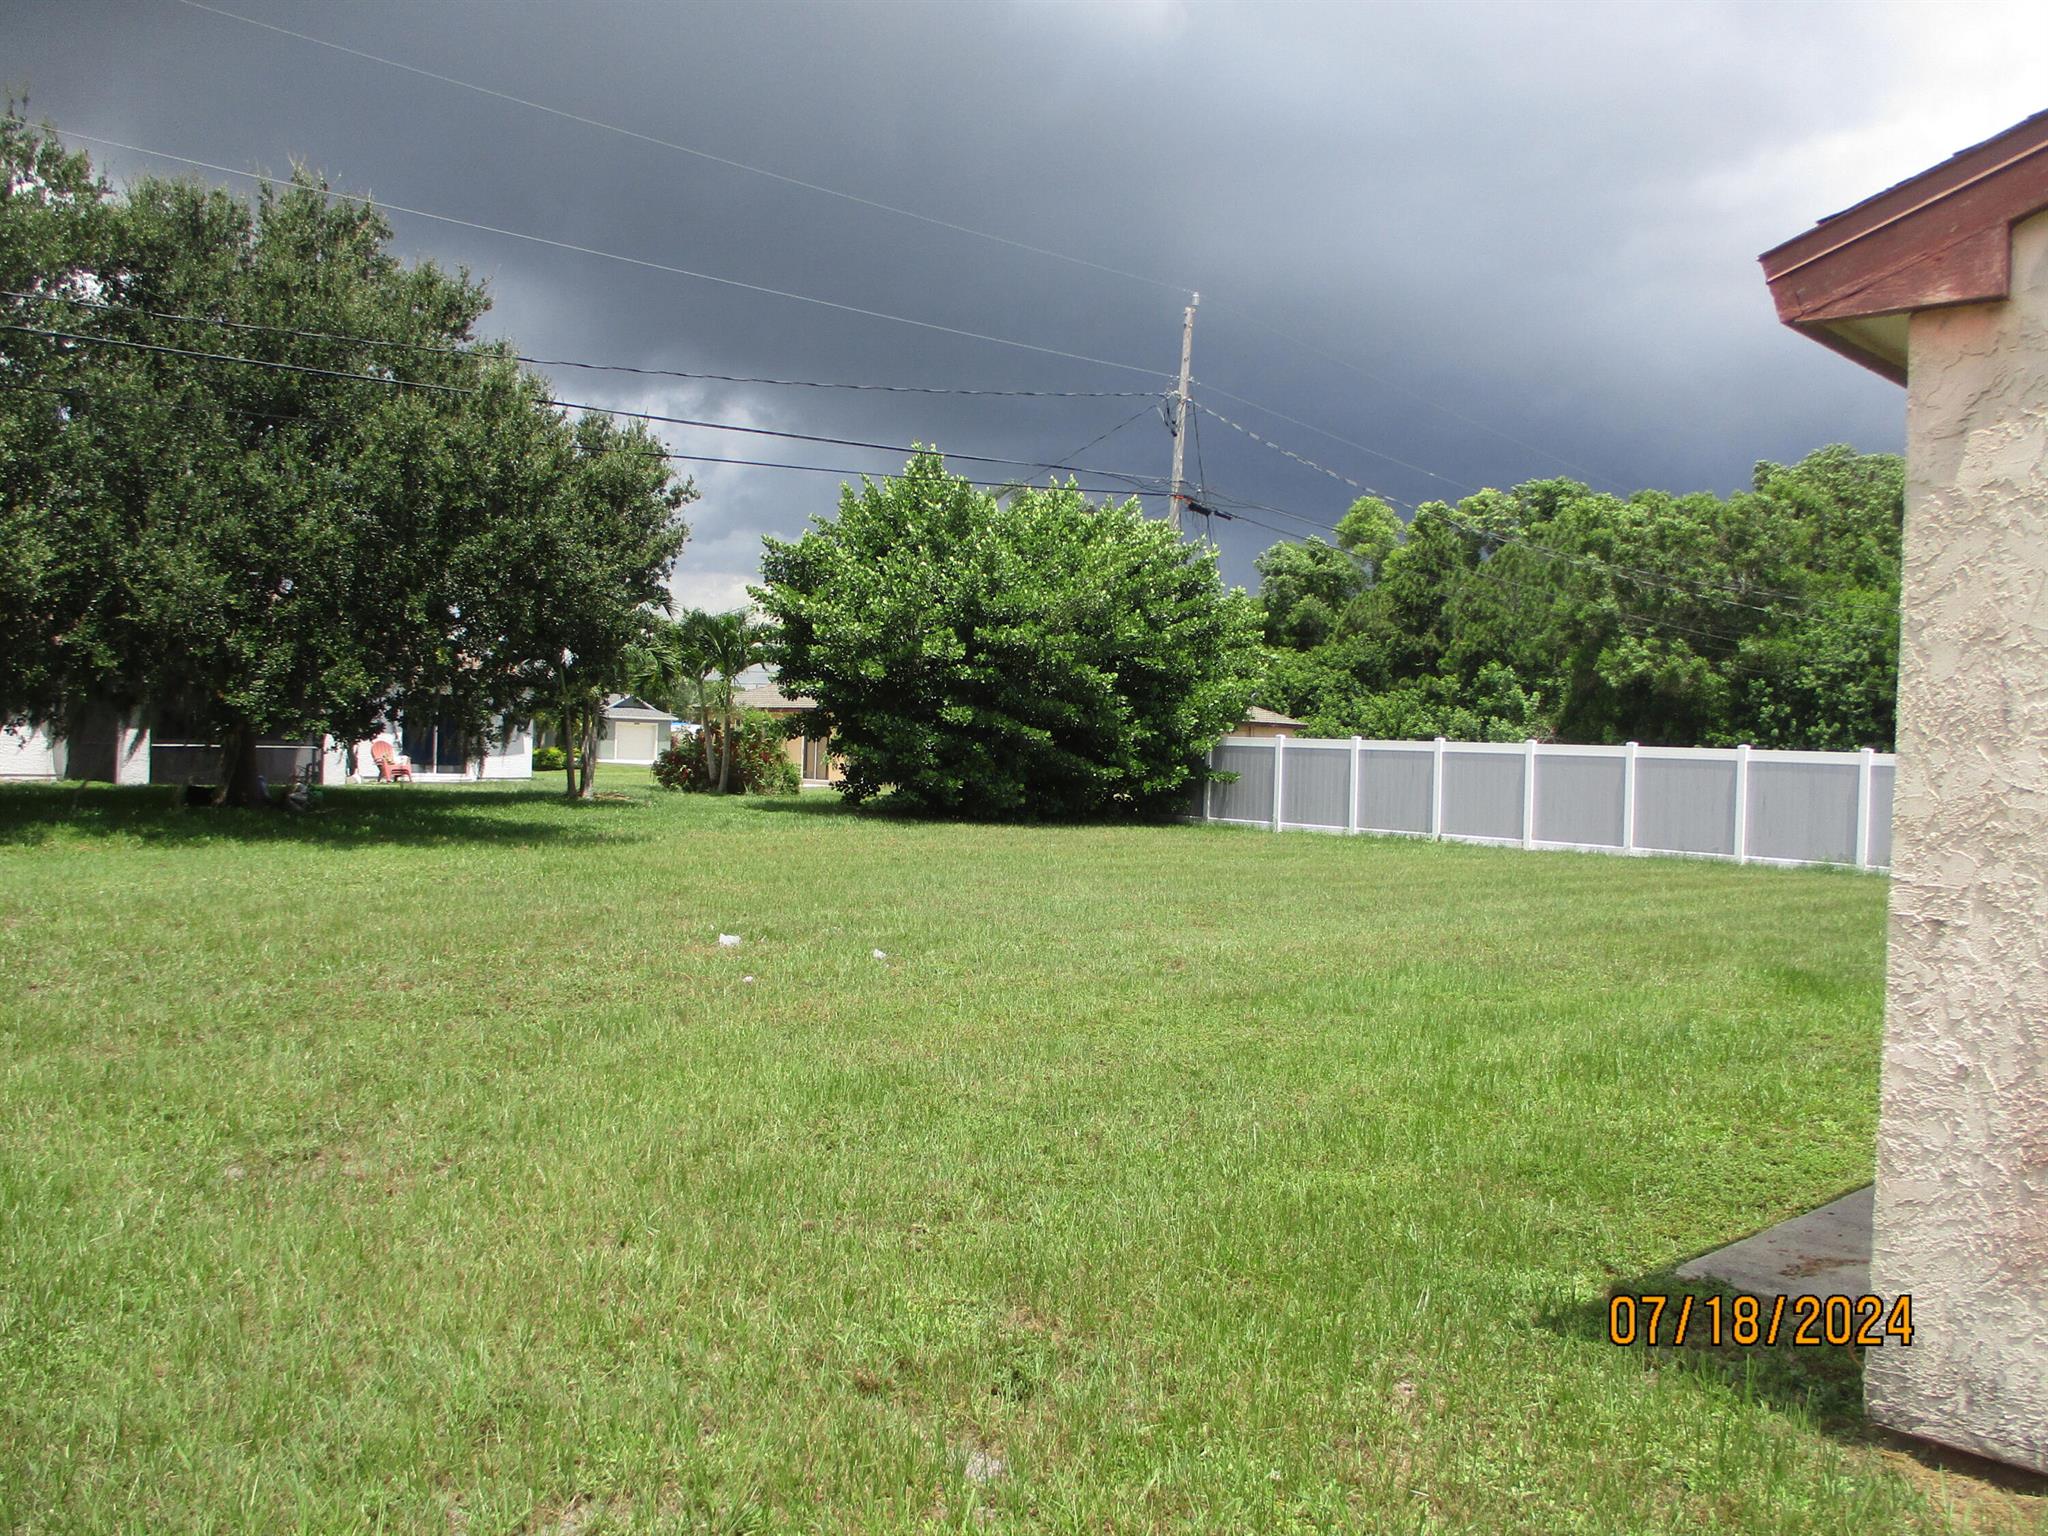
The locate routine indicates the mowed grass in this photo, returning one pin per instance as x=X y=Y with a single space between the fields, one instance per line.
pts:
x=426 y=1164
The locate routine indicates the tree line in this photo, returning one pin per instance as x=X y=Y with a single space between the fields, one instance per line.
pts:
x=1559 y=612
x=258 y=474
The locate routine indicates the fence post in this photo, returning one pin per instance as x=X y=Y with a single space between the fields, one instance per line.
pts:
x=1628 y=798
x=1209 y=785
x=1529 y=792
x=1742 y=804
x=1436 y=791
x=1863 y=766
x=1351 y=809
x=1279 y=775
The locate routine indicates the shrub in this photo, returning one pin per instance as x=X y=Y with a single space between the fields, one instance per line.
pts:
x=760 y=766
x=549 y=760
x=1043 y=656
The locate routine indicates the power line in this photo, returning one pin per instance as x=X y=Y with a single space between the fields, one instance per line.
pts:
x=1698 y=590
x=1143 y=410
x=1414 y=394
x=1249 y=315
x=634 y=261
x=701 y=154
x=1334 y=436
x=1285 y=452
x=562 y=362
x=778 y=293
x=68 y=391
x=572 y=405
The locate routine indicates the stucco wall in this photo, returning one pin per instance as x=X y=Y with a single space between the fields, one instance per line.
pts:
x=29 y=752
x=1962 y=1159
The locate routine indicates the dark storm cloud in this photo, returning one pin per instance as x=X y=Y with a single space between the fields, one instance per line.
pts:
x=1518 y=239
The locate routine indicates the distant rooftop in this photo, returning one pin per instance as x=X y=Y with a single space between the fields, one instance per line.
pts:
x=1258 y=714
x=768 y=696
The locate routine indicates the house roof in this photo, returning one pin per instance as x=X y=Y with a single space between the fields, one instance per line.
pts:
x=623 y=706
x=768 y=696
x=1941 y=237
x=1258 y=714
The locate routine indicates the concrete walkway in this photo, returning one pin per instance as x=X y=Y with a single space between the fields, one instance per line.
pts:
x=1824 y=1252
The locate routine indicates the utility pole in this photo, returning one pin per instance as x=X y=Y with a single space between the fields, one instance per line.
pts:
x=1180 y=422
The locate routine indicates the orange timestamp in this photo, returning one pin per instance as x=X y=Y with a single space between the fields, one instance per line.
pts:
x=1803 y=1321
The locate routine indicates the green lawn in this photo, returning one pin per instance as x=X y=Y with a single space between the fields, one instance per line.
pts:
x=426 y=1164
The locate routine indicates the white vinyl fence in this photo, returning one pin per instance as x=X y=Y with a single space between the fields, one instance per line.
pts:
x=1709 y=802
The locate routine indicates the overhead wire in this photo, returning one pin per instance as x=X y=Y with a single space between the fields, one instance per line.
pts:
x=175 y=316
x=653 y=417
x=701 y=154
x=1249 y=315
x=1335 y=437
x=1252 y=318
x=119 y=398
x=1702 y=590
x=635 y=261
x=794 y=296
x=1134 y=480
x=1286 y=452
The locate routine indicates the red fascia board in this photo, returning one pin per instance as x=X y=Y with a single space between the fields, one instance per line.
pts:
x=1941 y=238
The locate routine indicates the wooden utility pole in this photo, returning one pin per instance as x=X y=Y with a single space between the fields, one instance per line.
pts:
x=1180 y=422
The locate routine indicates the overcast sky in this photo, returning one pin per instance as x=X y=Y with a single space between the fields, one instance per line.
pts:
x=1478 y=243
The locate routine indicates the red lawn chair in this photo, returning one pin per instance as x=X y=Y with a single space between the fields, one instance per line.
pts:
x=391 y=765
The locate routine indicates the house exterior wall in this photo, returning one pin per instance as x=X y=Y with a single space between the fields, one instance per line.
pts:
x=511 y=759
x=30 y=752
x=793 y=749
x=112 y=748
x=1961 y=1218
x=631 y=741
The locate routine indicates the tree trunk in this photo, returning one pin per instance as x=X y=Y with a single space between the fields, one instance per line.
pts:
x=239 y=770
x=725 y=745
x=704 y=727
x=589 y=789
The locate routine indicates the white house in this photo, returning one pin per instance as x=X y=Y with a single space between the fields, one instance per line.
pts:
x=117 y=749
x=633 y=731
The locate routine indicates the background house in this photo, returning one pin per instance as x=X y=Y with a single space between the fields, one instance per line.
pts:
x=633 y=731
x=118 y=749
x=815 y=761
x=1260 y=721
x=817 y=764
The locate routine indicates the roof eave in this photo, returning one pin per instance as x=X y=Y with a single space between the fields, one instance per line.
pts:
x=1939 y=239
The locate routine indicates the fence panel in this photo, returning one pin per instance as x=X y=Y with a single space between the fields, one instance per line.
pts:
x=1883 y=777
x=1250 y=798
x=1579 y=798
x=1684 y=805
x=1314 y=786
x=1713 y=802
x=1802 y=809
x=1483 y=792
x=1394 y=788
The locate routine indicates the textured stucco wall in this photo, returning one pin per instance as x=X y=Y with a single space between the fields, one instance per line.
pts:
x=1962 y=1165
x=29 y=752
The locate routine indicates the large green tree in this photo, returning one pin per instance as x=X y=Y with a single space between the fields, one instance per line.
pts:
x=1553 y=610
x=1034 y=656
x=256 y=473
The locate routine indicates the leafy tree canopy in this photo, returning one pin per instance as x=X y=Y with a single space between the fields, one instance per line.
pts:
x=376 y=510
x=1034 y=655
x=1556 y=611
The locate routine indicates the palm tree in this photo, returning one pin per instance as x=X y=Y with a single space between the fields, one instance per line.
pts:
x=732 y=642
